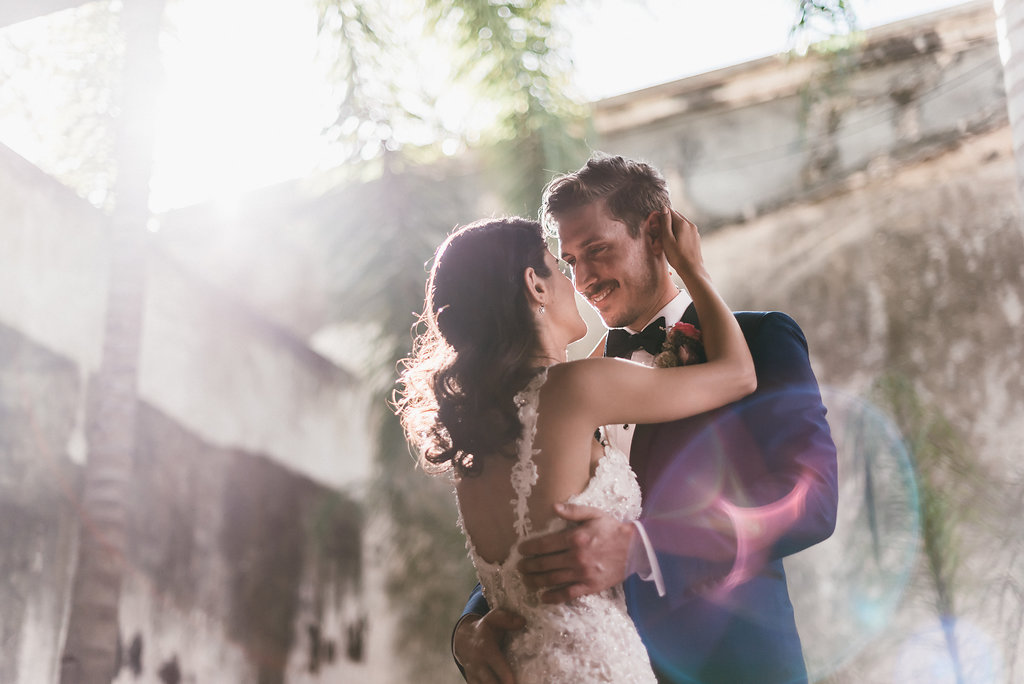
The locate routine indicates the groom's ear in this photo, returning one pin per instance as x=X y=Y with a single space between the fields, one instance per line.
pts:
x=650 y=230
x=536 y=287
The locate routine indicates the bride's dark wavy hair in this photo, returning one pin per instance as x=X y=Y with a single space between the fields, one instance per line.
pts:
x=455 y=396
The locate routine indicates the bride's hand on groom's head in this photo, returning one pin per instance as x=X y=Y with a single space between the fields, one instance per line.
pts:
x=680 y=241
x=586 y=558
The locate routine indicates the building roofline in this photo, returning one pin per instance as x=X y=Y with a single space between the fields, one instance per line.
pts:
x=762 y=79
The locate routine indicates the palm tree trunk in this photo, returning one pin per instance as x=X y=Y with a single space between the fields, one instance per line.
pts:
x=92 y=641
x=1010 y=28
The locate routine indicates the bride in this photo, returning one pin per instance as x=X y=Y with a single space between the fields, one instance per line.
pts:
x=490 y=395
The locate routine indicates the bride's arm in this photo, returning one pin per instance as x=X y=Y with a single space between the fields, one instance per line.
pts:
x=650 y=395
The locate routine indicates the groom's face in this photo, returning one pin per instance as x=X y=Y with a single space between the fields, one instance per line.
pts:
x=616 y=272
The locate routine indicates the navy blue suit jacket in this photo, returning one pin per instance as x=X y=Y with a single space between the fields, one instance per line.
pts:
x=770 y=447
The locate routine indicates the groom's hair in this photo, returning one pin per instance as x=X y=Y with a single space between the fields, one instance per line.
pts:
x=631 y=189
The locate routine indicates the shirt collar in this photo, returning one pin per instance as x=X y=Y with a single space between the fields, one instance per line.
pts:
x=672 y=311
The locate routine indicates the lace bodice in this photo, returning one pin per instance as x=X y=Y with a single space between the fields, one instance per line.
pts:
x=591 y=638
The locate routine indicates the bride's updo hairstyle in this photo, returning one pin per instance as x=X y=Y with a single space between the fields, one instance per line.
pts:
x=456 y=391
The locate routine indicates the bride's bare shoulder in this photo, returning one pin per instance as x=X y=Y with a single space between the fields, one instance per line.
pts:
x=581 y=376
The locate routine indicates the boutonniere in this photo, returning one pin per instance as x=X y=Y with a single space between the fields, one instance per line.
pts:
x=682 y=347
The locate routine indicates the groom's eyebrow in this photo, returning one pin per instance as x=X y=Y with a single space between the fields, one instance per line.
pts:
x=583 y=245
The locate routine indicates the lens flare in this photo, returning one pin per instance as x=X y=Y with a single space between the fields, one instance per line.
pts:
x=844 y=590
x=927 y=656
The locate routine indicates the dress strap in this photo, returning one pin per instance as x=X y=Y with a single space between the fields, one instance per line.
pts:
x=524 y=471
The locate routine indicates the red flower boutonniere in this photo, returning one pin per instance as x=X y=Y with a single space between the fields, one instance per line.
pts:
x=682 y=347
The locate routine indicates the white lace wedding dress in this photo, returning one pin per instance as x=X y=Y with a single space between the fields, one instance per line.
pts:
x=591 y=638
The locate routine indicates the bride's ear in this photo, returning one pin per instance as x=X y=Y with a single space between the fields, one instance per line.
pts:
x=536 y=288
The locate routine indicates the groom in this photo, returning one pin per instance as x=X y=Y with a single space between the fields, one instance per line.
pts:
x=727 y=494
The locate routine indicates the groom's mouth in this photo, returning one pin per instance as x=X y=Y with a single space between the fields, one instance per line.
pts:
x=598 y=294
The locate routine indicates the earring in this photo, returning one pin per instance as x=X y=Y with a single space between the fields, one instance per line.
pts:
x=541 y=310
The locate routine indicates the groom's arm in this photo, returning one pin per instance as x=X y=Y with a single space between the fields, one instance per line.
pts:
x=783 y=457
x=476 y=607
x=801 y=469
x=790 y=478
x=477 y=604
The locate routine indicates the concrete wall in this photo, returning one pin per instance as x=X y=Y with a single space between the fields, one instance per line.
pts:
x=225 y=371
x=246 y=546
x=38 y=492
x=745 y=139
x=871 y=195
x=916 y=274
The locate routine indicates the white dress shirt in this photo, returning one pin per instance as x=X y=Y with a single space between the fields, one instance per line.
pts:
x=621 y=436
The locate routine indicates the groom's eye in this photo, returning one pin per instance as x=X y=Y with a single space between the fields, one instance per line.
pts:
x=565 y=267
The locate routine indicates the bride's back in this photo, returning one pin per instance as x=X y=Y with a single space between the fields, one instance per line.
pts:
x=591 y=638
x=565 y=453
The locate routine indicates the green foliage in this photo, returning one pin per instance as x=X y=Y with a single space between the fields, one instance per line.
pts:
x=505 y=73
x=948 y=485
x=363 y=54
x=66 y=127
x=381 y=241
x=823 y=18
x=512 y=54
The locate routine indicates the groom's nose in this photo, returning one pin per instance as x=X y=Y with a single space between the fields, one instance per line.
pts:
x=582 y=276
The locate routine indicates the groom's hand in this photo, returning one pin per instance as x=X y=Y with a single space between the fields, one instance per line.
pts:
x=476 y=645
x=585 y=559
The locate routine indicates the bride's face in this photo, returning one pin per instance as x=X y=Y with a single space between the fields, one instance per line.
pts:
x=562 y=309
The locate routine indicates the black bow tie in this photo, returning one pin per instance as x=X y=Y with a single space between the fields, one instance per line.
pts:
x=621 y=343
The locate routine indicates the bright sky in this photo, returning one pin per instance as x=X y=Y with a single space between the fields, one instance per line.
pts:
x=245 y=101
x=671 y=39
x=251 y=115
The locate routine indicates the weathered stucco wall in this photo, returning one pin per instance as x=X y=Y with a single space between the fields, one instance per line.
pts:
x=871 y=195
x=38 y=517
x=220 y=368
x=246 y=552
x=752 y=137
x=239 y=380
x=240 y=570
x=914 y=274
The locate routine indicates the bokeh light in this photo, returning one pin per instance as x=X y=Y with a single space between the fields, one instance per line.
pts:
x=846 y=590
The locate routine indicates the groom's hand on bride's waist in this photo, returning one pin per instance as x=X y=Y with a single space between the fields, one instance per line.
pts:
x=476 y=645
x=586 y=558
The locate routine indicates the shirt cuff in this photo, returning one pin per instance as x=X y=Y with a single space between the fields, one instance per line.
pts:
x=653 y=571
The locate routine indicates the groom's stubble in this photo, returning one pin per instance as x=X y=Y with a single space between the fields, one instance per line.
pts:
x=628 y=267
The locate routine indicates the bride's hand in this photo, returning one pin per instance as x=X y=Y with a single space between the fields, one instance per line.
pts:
x=681 y=242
